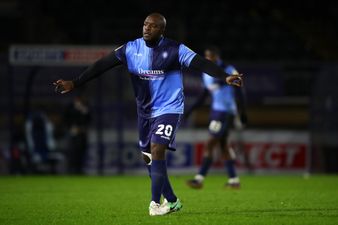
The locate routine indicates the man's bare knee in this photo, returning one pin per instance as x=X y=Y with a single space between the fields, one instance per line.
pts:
x=211 y=144
x=158 y=151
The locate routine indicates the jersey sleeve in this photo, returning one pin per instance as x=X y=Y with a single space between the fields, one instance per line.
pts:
x=120 y=53
x=231 y=70
x=185 y=55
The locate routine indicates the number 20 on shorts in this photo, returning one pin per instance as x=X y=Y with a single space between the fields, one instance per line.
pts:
x=164 y=129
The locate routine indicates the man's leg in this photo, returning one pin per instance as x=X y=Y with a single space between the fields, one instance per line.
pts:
x=197 y=182
x=217 y=128
x=160 y=181
x=158 y=171
x=229 y=162
x=148 y=160
x=162 y=132
x=167 y=190
x=160 y=184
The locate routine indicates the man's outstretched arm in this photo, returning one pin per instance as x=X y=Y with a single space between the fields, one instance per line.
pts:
x=200 y=100
x=99 y=67
x=203 y=65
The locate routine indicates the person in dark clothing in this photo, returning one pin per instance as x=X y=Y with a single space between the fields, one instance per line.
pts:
x=77 y=118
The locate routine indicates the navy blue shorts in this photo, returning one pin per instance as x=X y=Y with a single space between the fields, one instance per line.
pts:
x=220 y=123
x=159 y=130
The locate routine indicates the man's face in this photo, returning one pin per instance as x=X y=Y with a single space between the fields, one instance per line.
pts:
x=209 y=55
x=152 y=28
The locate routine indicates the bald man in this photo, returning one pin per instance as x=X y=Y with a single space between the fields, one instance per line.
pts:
x=154 y=63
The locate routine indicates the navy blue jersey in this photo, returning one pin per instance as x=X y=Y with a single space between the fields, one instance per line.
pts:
x=223 y=95
x=156 y=75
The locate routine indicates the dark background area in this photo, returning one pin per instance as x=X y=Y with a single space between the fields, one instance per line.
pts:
x=245 y=30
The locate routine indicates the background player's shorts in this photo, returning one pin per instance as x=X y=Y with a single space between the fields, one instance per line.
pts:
x=159 y=130
x=220 y=123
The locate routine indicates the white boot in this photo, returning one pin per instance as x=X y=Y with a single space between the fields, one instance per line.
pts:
x=155 y=209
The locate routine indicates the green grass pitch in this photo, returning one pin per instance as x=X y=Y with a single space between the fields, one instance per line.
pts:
x=118 y=200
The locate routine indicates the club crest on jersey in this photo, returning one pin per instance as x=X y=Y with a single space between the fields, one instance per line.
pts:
x=164 y=55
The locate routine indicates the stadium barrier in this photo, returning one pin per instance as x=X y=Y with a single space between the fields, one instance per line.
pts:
x=267 y=151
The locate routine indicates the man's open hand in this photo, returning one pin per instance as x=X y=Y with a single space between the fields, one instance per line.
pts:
x=63 y=86
x=235 y=80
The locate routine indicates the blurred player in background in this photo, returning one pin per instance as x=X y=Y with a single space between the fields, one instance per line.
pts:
x=154 y=63
x=77 y=118
x=227 y=104
x=40 y=142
